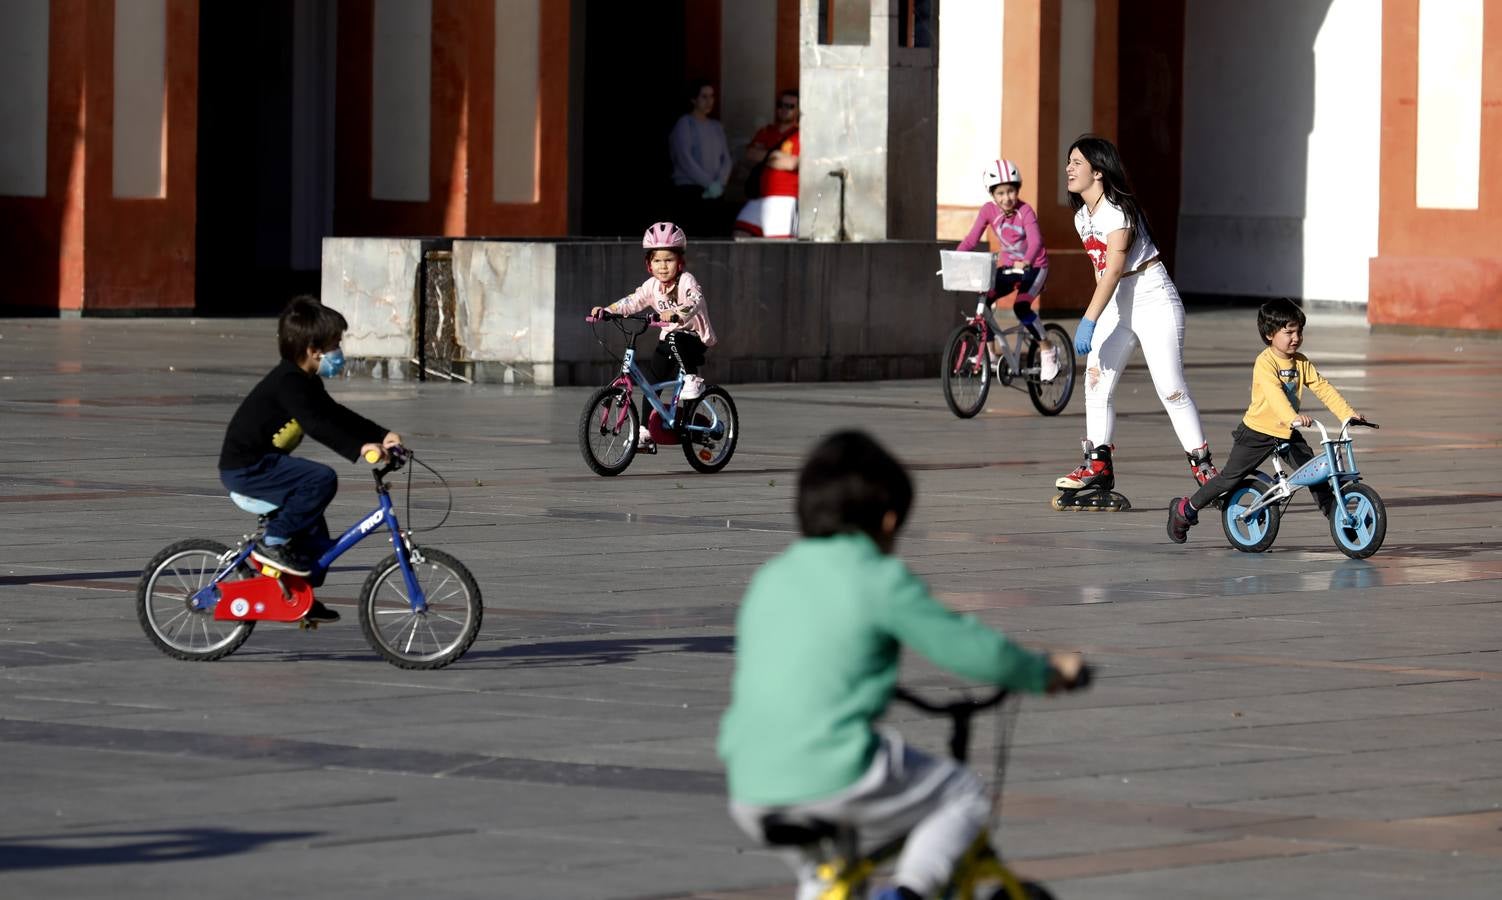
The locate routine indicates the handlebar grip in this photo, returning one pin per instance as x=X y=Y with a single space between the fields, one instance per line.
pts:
x=1365 y=423
x=372 y=456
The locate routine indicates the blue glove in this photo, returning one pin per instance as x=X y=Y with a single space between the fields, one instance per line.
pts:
x=714 y=190
x=1082 y=336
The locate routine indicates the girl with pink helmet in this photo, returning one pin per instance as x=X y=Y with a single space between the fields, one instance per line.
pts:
x=678 y=300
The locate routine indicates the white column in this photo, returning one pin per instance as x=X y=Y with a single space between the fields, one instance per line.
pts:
x=970 y=92
x=23 y=98
x=401 y=120
x=1076 y=78
x=1448 y=169
x=514 y=146
x=140 y=101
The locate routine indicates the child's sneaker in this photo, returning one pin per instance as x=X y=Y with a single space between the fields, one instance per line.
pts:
x=1200 y=464
x=1181 y=517
x=644 y=442
x=321 y=614
x=283 y=557
x=1049 y=364
x=693 y=388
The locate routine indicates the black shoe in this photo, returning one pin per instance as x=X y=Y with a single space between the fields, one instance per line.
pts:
x=282 y=556
x=321 y=614
x=1181 y=517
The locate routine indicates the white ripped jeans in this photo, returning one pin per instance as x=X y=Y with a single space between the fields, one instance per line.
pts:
x=1145 y=309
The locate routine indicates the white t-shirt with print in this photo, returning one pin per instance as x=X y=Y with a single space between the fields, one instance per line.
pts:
x=1094 y=229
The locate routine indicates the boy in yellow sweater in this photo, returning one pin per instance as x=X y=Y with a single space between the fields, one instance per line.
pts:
x=1279 y=377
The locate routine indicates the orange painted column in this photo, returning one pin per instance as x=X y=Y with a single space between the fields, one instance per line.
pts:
x=462 y=93
x=1031 y=36
x=1435 y=268
x=79 y=249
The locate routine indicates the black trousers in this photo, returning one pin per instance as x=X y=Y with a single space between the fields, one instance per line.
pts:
x=1251 y=447
x=677 y=350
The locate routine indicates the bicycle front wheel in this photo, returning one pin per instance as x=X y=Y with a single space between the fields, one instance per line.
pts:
x=607 y=431
x=164 y=602
x=421 y=639
x=1362 y=534
x=966 y=373
x=1052 y=356
x=709 y=450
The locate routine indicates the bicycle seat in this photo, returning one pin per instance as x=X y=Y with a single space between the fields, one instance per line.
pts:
x=780 y=830
x=252 y=505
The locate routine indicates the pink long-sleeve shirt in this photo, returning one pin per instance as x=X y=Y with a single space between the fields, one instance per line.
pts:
x=684 y=299
x=1021 y=239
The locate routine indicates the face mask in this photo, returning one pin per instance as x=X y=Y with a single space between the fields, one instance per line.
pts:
x=332 y=363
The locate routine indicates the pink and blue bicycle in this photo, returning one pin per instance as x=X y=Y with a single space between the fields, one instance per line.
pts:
x=610 y=429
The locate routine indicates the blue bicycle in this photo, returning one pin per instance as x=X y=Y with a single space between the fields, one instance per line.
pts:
x=419 y=608
x=610 y=430
x=1254 y=508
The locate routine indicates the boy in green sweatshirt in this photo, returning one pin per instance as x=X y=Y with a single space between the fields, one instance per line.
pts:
x=818 y=640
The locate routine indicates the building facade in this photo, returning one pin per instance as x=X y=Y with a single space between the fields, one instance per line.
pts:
x=179 y=155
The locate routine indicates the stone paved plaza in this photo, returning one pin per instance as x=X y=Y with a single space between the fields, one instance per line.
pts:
x=1290 y=724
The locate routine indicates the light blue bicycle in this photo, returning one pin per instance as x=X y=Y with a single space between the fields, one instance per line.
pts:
x=1253 y=509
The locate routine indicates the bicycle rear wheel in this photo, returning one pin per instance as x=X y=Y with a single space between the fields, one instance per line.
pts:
x=164 y=602
x=1051 y=396
x=426 y=639
x=607 y=431
x=966 y=374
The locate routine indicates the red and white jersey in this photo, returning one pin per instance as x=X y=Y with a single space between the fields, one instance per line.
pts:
x=685 y=299
x=1093 y=230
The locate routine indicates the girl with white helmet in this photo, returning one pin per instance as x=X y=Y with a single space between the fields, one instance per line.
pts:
x=1023 y=260
x=676 y=297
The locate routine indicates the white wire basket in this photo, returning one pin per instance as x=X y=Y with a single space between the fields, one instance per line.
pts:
x=971 y=272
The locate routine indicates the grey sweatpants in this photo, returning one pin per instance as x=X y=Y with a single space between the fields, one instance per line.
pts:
x=939 y=804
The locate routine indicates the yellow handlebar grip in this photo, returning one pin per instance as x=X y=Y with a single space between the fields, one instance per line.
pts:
x=372 y=456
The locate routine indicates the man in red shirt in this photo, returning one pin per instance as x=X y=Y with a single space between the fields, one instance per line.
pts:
x=773 y=153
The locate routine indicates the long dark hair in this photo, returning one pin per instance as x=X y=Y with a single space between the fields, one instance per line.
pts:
x=1104 y=158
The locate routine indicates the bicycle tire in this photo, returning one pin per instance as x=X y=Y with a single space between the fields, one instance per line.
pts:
x=961 y=376
x=1258 y=533
x=448 y=586
x=173 y=625
x=695 y=446
x=1050 y=397
x=1365 y=537
x=596 y=425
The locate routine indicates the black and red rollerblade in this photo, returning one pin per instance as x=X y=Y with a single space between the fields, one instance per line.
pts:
x=1200 y=465
x=1089 y=487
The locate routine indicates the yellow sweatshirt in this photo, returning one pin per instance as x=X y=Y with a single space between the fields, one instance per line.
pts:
x=1277 y=387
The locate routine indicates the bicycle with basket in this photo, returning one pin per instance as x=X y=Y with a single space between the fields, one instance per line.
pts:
x=1041 y=363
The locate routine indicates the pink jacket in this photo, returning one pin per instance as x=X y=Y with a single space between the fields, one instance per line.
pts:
x=1021 y=239
x=685 y=299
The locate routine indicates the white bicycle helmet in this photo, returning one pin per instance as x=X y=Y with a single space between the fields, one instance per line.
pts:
x=1001 y=171
x=664 y=236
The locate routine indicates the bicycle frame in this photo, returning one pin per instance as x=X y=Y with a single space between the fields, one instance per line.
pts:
x=631 y=376
x=207 y=597
x=1335 y=466
x=1013 y=340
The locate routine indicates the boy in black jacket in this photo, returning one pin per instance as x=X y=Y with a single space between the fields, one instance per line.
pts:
x=290 y=401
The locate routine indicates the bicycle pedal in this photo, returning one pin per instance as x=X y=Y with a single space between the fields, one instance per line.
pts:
x=306 y=625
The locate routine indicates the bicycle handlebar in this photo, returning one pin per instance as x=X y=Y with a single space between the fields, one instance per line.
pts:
x=1345 y=428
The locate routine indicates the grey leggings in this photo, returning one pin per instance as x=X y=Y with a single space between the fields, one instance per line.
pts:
x=939 y=804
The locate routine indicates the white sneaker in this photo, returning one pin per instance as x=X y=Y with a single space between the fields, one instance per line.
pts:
x=644 y=439
x=693 y=388
x=1049 y=365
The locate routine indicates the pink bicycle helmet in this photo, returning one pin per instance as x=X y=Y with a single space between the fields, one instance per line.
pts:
x=1001 y=171
x=664 y=236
